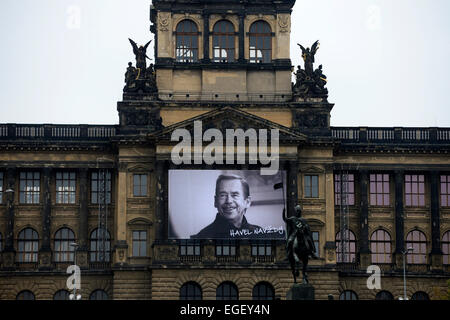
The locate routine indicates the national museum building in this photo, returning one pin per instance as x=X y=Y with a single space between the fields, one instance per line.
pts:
x=137 y=220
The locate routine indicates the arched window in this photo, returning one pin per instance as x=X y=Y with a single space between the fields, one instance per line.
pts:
x=27 y=243
x=263 y=291
x=227 y=291
x=417 y=240
x=64 y=252
x=61 y=295
x=96 y=246
x=190 y=291
x=223 y=41
x=260 y=37
x=99 y=295
x=420 y=295
x=380 y=245
x=348 y=295
x=25 y=295
x=384 y=295
x=446 y=247
x=186 y=42
x=346 y=247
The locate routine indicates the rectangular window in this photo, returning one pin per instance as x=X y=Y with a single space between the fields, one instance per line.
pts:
x=30 y=186
x=379 y=189
x=101 y=187
x=225 y=248
x=262 y=248
x=311 y=186
x=140 y=185
x=445 y=191
x=189 y=248
x=65 y=187
x=415 y=190
x=1 y=187
x=139 y=243
x=344 y=189
x=315 y=236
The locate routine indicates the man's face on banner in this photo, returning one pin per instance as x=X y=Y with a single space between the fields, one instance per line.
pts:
x=230 y=201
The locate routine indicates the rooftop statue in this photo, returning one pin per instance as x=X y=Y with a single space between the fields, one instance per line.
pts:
x=141 y=55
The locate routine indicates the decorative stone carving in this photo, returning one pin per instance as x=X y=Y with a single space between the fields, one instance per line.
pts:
x=164 y=21
x=284 y=22
x=311 y=120
x=142 y=118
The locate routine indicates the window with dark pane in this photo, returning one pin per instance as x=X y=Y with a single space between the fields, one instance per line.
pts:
x=225 y=248
x=315 y=236
x=384 y=295
x=65 y=187
x=139 y=243
x=344 y=189
x=101 y=187
x=227 y=291
x=420 y=295
x=223 y=41
x=380 y=246
x=61 y=295
x=416 y=239
x=25 y=295
x=345 y=247
x=263 y=291
x=445 y=190
x=99 y=295
x=446 y=248
x=311 y=186
x=99 y=252
x=415 y=190
x=260 y=38
x=186 y=41
x=191 y=291
x=348 y=295
x=261 y=248
x=379 y=189
x=29 y=187
x=189 y=247
x=140 y=185
x=63 y=251
x=27 y=245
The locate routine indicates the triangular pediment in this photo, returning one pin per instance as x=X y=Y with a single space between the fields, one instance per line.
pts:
x=230 y=118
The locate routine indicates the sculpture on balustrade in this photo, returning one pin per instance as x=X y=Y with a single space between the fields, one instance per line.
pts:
x=310 y=83
x=140 y=79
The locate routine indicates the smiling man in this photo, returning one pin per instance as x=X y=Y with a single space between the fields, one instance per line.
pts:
x=232 y=199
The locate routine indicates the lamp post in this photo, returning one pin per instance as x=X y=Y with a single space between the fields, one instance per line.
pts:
x=404 y=271
x=74 y=296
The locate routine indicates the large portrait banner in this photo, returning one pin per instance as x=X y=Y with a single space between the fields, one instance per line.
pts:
x=226 y=204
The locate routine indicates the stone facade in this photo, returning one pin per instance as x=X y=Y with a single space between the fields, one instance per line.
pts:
x=238 y=94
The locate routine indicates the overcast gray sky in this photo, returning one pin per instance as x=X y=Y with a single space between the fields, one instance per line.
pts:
x=387 y=61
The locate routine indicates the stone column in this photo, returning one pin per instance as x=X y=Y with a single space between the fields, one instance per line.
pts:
x=399 y=219
x=83 y=236
x=160 y=208
x=436 y=252
x=120 y=219
x=206 y=37
x=364 y=252
x=292 y=187
x=9 y=252
x=241 y=38
x=330 y=244
x=45 y=252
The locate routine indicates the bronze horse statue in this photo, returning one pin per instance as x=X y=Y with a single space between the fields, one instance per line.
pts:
x=299 y=243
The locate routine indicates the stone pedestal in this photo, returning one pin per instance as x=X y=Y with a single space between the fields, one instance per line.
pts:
x=301 y=292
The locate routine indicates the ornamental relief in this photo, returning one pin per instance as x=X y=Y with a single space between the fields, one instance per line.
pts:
x=284 y=22
x=164 y=21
